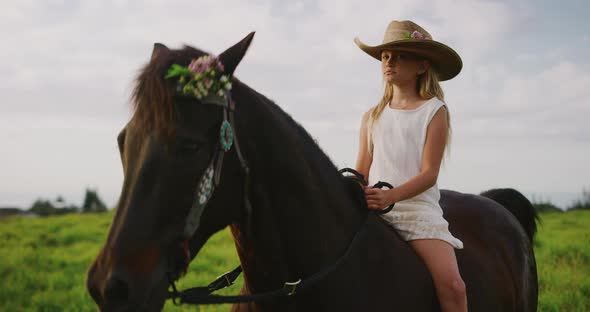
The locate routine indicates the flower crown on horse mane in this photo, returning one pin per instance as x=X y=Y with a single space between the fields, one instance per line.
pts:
x=201 y=78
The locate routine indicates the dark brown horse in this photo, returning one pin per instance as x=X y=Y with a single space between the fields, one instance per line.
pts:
x=303 y=213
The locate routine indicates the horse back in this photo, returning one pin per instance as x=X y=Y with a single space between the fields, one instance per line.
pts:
x=497 y=260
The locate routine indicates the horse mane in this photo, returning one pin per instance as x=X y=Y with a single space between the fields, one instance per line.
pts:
x=152 y=95
x=321 y=162
x=312 y=149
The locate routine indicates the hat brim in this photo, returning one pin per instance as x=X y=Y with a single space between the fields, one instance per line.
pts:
x=445 y=60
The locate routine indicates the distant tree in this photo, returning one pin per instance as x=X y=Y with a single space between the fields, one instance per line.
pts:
x=42 y=207
x=544 y=204
x=10 y=211
x=61 y=207
x=583 y=203
x=92 y=203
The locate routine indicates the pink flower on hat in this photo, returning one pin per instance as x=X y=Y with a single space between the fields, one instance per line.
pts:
x=417 y=35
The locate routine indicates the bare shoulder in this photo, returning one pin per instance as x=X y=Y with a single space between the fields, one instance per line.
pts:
x=366 y=115
x=438 y=102
x=441 y=110
x=439 y=119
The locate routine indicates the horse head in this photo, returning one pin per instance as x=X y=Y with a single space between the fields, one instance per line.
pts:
x=172 y=151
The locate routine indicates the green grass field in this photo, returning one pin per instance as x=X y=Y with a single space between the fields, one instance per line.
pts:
x=43 y=262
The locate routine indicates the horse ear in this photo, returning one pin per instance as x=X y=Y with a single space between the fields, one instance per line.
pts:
x=159 y=49
x=231 y=57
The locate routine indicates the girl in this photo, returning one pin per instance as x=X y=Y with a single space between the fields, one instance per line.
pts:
x=402 y=141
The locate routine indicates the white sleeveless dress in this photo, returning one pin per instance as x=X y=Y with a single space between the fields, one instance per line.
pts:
x=398 y=142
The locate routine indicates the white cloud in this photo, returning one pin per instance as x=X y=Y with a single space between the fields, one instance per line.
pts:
x=551 y=102
x=68 y=70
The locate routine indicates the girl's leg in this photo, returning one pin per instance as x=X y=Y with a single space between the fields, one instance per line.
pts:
x=439 y=257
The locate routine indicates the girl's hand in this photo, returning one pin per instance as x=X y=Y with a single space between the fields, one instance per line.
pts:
x=377 y=198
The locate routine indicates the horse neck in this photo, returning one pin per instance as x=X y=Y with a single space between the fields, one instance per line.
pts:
x=303 y=219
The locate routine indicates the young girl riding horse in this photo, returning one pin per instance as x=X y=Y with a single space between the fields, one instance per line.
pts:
x=402 y=141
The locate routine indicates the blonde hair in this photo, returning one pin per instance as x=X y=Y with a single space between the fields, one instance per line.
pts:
x=427 y=86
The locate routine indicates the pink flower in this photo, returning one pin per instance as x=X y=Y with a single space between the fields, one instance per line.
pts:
x=198 y=66
x=417 y=35
x=203 y=63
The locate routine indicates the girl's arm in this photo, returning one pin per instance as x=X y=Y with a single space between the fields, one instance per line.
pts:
x=436 y=139
x=364 y=159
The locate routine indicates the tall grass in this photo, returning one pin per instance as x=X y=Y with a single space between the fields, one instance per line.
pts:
x=562 y=249
x=43 y=262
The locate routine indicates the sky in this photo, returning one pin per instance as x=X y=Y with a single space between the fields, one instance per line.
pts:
x=519 y=107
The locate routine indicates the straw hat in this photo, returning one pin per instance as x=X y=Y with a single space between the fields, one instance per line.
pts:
x=407 y=36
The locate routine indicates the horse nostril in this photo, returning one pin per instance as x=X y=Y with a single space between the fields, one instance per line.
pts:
x=116 y=291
